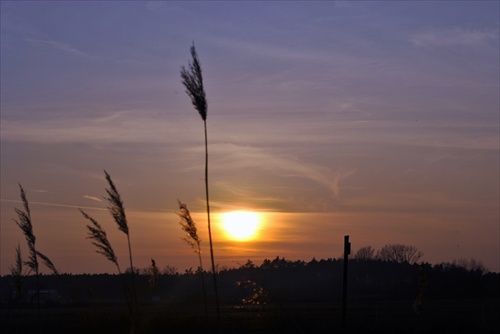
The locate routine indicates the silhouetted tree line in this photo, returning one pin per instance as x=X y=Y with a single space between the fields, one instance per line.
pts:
x=278 y=281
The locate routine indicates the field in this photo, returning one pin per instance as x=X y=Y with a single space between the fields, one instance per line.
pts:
x=279 y=296
x=464 y=316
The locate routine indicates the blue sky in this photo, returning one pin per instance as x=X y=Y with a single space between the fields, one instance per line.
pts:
x=375 y=119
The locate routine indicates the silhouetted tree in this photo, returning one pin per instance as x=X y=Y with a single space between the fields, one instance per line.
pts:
x=248 y=265
x=266 y=264
x=470 y=265
x=418 y=305
x=364 y=253
x=169 y=270
x=136 y=271
x=399 y=253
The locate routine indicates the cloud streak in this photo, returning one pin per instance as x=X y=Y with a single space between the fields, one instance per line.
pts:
x=454 y=37
x=61 y=47
x=92 y=198
x=128 y=126
x=55 y=204
x=289 y=166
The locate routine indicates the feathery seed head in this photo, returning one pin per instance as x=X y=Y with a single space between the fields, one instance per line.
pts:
x=100 y=240
x=24 y=223
x=116 y=208
x=48 y=263
x=153 y=274
x=192 y=79
x=188 y=225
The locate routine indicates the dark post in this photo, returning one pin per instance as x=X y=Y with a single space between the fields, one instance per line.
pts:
x=347 y=251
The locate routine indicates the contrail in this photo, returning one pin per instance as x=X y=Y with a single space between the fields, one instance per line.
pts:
x=56 y=204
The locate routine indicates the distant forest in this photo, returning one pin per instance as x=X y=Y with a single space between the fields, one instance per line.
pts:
x=274 y=281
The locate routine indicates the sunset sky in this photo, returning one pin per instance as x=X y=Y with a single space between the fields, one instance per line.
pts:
x=377 y=120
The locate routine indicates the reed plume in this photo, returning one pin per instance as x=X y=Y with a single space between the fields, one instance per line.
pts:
x=153 y=275
x=24 y=223
x=116 y=208
x=192 y=79
x=100 y=240
x=17 y=271
x=188 y=225
x=117 y=211
x=48 y=263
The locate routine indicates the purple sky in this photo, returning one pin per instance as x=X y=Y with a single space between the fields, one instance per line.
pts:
x=379 y=120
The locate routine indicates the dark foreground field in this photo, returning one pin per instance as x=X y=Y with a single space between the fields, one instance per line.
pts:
x=278 y=296
x=464 y=316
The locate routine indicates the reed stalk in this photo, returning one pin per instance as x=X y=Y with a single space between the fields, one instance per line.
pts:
x=48 y=263
x=100 y=240
x=25 y=224
x=188 y=225
x=192 y=80
x=153 y=275
x=17 y=271
x=117 y=211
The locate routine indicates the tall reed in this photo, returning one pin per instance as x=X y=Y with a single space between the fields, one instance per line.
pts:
x=192 y=80
x=100 y=240
x=188 y=225
x=117 y=210
x=48 y=263
x=25 y=224
x=154 y=272
x=17 y=272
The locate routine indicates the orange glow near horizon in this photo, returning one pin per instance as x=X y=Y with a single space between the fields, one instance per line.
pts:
x=240 y=225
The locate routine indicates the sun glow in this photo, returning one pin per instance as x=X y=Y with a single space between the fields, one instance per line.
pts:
x=240 y=225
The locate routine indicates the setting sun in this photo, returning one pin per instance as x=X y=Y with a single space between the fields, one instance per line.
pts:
x=240 y=225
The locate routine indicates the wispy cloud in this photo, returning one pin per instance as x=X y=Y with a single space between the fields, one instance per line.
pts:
x=154 y=6
x=455 y=36
x=269 y=50
x=118 y=127
x=128 y=59
x=54 y=204
x=238 y=156
x=232 y=195
x=284 y=52
x=40 y=191
x=92 y=198
x=61 y=47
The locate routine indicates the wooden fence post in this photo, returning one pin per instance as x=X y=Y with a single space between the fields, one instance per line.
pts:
x=347 y=251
